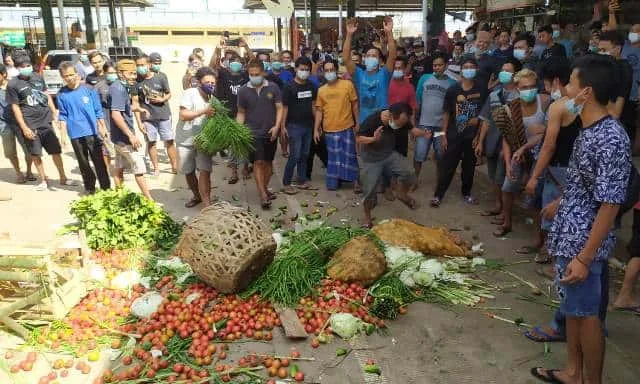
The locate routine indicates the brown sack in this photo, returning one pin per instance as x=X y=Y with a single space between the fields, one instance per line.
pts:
x=430 y=241
x=358 y=261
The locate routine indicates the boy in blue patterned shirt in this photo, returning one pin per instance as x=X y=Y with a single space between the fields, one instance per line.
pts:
x=582 y=235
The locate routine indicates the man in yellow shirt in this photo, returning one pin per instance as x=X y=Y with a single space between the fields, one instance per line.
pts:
x=336 y=115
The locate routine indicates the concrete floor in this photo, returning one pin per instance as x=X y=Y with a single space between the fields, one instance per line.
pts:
x=430 y=344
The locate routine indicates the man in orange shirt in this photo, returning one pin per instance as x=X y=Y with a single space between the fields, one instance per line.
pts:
x=336 y=115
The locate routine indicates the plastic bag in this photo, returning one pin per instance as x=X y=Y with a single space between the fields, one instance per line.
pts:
x=146 y=305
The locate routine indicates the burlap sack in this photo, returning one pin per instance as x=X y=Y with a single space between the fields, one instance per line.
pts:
x=358 y=261
x=430 y=241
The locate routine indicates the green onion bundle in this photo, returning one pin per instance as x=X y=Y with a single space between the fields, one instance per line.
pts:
x=221 y=132
x=301 y=264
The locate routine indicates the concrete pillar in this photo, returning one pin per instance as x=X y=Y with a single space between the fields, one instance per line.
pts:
x=437 y=17
x=351 y=9
x=49 y=28
x=279 y=33
x=313 y=8
x=124 y=40
x=88 y=22
x=113 y=21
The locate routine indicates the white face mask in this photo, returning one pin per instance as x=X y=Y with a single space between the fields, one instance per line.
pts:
x=634 y=37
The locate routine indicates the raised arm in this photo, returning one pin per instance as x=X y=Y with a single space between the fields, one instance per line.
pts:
x=217 y=54
x=352 y=27
x=391 y=43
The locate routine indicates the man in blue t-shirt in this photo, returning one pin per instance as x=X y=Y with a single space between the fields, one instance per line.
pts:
x=372 y=82
x=123 y=136
x=80 y=112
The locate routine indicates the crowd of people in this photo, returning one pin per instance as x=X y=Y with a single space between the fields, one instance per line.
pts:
x=553 y=115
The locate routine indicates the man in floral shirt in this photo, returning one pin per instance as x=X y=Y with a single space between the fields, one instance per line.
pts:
x=582 y=236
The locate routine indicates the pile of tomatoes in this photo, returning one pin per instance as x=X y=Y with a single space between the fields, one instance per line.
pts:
x=332 y=297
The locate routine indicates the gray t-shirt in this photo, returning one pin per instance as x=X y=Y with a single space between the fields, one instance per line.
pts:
x=158 y=85
x=430 y=97
x=632 y=55
x=260 y=107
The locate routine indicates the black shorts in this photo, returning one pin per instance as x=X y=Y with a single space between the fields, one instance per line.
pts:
x=634 y=244
x=45 y=138
x=264 y=149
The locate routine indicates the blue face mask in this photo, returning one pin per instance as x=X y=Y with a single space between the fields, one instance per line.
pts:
x=208 y=89
x=26 y=71
x=276 y=65
x=302 y=75
x=572 y=107
x=266 y=65
x=155 y=67
x=528 y=95
x=471 y=36
x=555 y=95
x=505 y=77
x=593 y=48
x=330 y=76
x=555 y=34
x=519 y=54
x=235 y=66
x=469 y=73
x=84 y=58
x=371 y=63
x=111 y=77
x=256 y=80
x=398 y=74
x=142 y=70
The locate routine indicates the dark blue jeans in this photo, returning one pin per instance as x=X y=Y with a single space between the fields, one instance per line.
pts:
x=559 y=322
x=300 y=137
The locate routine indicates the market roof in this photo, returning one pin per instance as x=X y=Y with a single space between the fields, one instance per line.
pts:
x=375 y=5
x=74 y=3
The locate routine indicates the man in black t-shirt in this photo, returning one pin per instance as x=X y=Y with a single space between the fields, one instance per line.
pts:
x=153 y=94
x=97 y=62
x=545 y=35
x=298 y=99
x=33 y=111
x=228 y=82
x=463 y=103
x=376 y=138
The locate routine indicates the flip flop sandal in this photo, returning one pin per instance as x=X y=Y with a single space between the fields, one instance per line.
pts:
x=233 y=180
x=68 y=183
x=193 y=202
x=489 y=213
x=21 y=180
x=366 y=225
x=307 y=187
x=549 y=378
x=435 y=202
x=542 y=257
x=470 y=200
x=501 y=232
x=497 y=221
x=32 y=178
x=409 y=202
x=527 y=250
x=289 y=190
x=540 y=336
x=271 y=195
x=266 y=204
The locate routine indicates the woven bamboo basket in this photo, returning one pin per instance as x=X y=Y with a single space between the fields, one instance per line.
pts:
x=227 y=247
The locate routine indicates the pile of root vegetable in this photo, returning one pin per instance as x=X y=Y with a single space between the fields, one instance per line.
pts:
x=187 y=336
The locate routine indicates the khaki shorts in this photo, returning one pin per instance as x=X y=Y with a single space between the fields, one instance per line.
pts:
x=127 y=157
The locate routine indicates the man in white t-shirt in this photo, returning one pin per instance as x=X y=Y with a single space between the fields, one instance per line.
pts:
x=194 y=110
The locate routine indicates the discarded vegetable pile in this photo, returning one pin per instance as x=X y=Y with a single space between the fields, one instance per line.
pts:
x=221 y=133
x=120 y=219
x=301 y=263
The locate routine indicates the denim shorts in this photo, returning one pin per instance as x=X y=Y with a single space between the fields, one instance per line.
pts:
x=514 y=184
x=551 y=190
x=582 y=299
x=159 y=129
x=423 y=145
x=495 y=170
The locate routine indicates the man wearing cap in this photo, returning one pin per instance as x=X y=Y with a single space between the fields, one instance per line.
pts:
x=153 y=94
x=156 y=64
x=128 y=147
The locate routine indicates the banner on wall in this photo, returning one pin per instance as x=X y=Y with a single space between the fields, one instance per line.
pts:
x=500 y=5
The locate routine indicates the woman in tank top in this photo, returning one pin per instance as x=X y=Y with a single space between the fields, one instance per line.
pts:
x=531 y=118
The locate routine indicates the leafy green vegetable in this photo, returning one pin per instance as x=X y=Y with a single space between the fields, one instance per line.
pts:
x=121 y=219
x=221 y=132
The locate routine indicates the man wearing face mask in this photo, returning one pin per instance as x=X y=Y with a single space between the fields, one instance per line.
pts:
x=260 y=107
x=372 y=83
x=402 y=91
x=523 y=51
x=298 y=99
x=34 y=111
x=582 y=236
x=194 y=111
x=228 y=83
x=153 y=94
x=156 y=64
x=127 y=146
x=631 y=53
x=376 y=138
x=488 y=65
x=337 y=114
x=286 y=57
x=463 y=103
x=279 y=70
x=421 y=64
x=470 y=37
x=81 y=114
x=188 y=80
x=458 y=53
x=83 y=66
